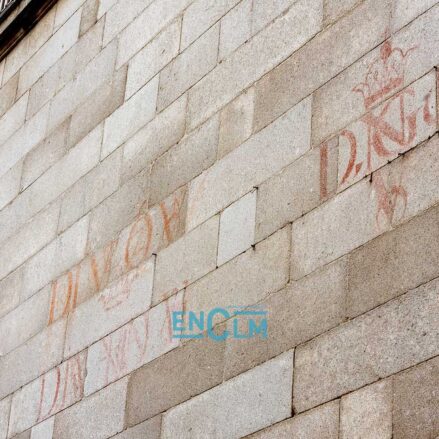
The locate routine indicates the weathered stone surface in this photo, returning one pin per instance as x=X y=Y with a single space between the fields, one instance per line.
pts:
x=236 y=123
x=394 y=263
x=65 y=9
x=44 y=430
x=153 y=58
x=130 y=117
x=263 y=12
x=31 y=238
x=24 y=322
x=301 y=74
x=24 y=139
x=384 y=341
x=405 y=11
x=237 y=228
x=200 y=16
x=319 y=423
x=257 y=399
x=31 y=359
x=104 y=100
x=49 y=394
x=90 y=190
x=146 y=26
x=251 y=61
x=5 y=407
x=335 y=228
x=150 y=142
x=246 y=279
x=65 y=69
x=52 y=183
x=10 y=287
x=188 y=68
x=334 y=9
x=119 y=15
x=367 y=413
x=63 y=252
x=45 y=154
x=28 y=46
x=135 y=344
x=416 y=401
x=342 y=99
x=277 y=160
x=235 y=28
x=297 y=189
x=118 y=210
x=261 y=156
x=7 y=93
x=98 y=417
x=402 y=110
x=186 y=260
x=10 y=184
x=301 y=311
x=164 y=383
x=89 y=15
x=13 y=119
x=109 y=310
x=97 y=71
x=180 y=164
x=149 y=429
x=49 y=53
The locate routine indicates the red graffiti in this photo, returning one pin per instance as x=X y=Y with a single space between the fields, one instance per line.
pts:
x=149 y=232
x=118 y=348
x=67 y=387
x=388 y=198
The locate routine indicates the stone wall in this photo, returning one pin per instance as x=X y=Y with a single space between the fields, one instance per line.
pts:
x=168 y=155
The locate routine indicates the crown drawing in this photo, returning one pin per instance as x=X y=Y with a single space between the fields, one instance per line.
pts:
x=384 y=75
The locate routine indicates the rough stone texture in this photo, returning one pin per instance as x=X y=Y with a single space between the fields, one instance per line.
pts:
x=151 y=59
x=255 y=399
x=5 y=407
x=236 y=123
x=44 y=155
x=163 y=158
x=362 y=28
x=139 y=342
x=237 y=228
x=129 y=118
x=390 y=338
x=185 y=261
x=149 y=429
x=235 y=28
x=319 y=423
x=416 y=401
x=188 y=68
x=300 y=187
x=296 y=314
x=251 y=61
x=394 y=263
x=51 y=393
x=109 y=310
x=156 y=386
x=31 y=359
x=367 y=413
x=155 y=138
x=184 y=161
x=244 y=280
x=43 y=430
x=255 y=160
x=200 y=16
x=98 y=416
